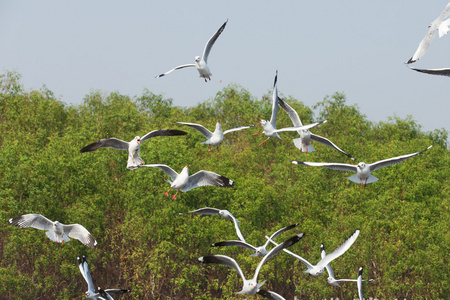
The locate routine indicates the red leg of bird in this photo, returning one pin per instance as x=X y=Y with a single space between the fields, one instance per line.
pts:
x=209 y=78
x=257 y=133
x=361 y=184
x=175 y=196
x=206 y=80
x=365 y=183
x=263 y=142
x=209 y=149
x=217 y=152
x=167 y=193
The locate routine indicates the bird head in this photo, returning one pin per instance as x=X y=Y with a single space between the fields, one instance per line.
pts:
x=263 y=122
x=361 y=165
x=197 y=59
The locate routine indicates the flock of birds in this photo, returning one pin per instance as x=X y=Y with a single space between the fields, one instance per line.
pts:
x=61 y=233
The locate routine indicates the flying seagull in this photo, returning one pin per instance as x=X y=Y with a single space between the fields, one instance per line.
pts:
x=440 y=25
x=331 y=279
x=185 y=183
x=442 y=72
x=270 y=127
x=362 y=169
x=56 y=231
x=91 y=294
x=318 y=269
x=251 y=286
x=134 y=159
x=213 y=138
x=259 y=251
x=201 y=62
x=224 y=214
x=304 y=142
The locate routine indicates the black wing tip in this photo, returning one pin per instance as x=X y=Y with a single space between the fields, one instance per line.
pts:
x=296 y=162
x=360 y=271
x=410 y=61
x=15 y=221
x=160 y=75
x=225 y=182
x=91 y=147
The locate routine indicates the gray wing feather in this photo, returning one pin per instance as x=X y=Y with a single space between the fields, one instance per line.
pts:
x=332 y=166
x=273 y=117
x=162 y=132
x=205 y=211
x=202 y=129
x=106 y=143
x=293 y=115
x=327 y=142
x=202 y=178
x=236 y=129
x=222 y=260
x=168 y=170
x=176 y=68
x=211 y=42
x=80 y=233
x=32 y=220
x=394 y=160
x=234 y=243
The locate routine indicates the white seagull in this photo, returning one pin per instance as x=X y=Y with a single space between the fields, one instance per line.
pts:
x=270 y=128
x=362 y=169
x=91 y=294
x=331 y=279
x=134 y=159
x=304 y=142
x=318 y=269
x=224 y=214
x=259 y=251
x=185 y=183
x=251 y=286
x=201 y=62
x=440 y=25
x=56 y=231
x=213 y=138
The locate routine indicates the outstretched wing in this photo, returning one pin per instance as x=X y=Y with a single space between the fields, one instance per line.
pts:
x=234 y=243
x=222 y=260
x=442 y=72
x=236 y=129
x=280 y=231
x=168 y=170
x=339 y=251
x=106 y=143
x=176 y=68
x=202 y=178
x=394 y=160
x=304 y=127
x=211 y=42
x=202 y=129
x=205 y=211
x=31 y=220
x=162 y=132
x=327 y=142
x=273 y=117
x=293 y=115
x=270 y=295
x=332 y=166
x=293 y=240
x=77 y=231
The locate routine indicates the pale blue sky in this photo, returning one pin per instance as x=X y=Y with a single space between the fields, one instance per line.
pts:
x=318 y=47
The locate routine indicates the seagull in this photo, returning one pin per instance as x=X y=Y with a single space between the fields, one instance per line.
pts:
x=303 y=143
x=259 y=251
x=213 y=138
x=362 y=169
x=56 y=231
x=201 y=62
x=270 y=128
x=134 y=159
x=251 y=286
x=224 y=214
x=331 y=279
x=185 y=183
x=439 y=25
x=91 y=294
x=442 y=72
x=320 y=266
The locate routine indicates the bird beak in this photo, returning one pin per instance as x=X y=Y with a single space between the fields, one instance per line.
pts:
x=139 y=141
x=187 y=166
x=259 y=120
